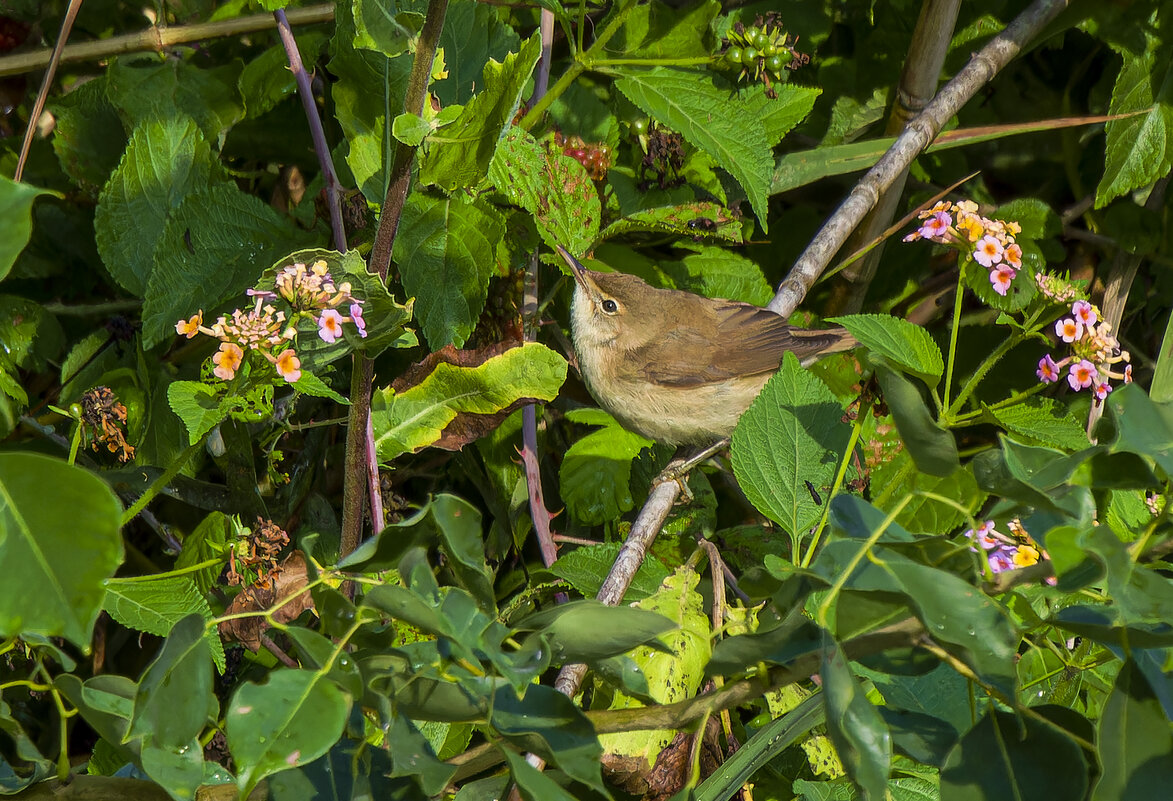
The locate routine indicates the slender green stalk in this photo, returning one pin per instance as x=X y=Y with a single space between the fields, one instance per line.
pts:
x=584 y=60
x=839 y=475
x=652 y=62
x=160 y=483
x=172 y=573
x=980 y=373
x=958 y=296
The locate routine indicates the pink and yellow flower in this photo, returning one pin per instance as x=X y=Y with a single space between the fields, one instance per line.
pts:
x=330 y=325
x=228 y=360
x=288 y=365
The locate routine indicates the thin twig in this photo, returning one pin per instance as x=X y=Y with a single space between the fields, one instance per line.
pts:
x=158 y=38
x=46 y=82
x=919 y=133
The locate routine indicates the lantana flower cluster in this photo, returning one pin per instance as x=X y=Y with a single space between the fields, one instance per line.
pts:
x=310 y=292
x=990 y=242
x=1004 y=552
x=1095 y=356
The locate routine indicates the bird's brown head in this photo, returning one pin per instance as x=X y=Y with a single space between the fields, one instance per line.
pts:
x=611 y=306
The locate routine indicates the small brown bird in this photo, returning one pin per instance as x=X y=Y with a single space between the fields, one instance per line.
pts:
x=677 y=367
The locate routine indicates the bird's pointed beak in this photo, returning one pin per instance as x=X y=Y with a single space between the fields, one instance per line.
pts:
x=579 y=272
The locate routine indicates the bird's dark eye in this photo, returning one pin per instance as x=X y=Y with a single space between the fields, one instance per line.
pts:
x=610 y=306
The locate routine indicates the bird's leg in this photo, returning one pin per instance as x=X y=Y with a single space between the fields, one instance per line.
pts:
x=678 y=469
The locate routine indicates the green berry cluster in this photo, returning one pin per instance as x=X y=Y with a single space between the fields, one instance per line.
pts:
x=761 y=52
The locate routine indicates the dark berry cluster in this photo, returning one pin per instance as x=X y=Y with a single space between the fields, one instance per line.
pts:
x=761 y=52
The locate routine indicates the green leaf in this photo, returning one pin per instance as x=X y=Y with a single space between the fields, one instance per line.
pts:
x=718 y=273
x=674 y=671
x=55 y=555
x=657 y=30
x=595 y=475
x=860 y=735
x=459 y=153
x=1045 y=420
x=213 y=247
x=207 y=542
x=462 y=540
x=156 y=606
x=905 y=345
x=709 y=117
x=382 y=26
x=367 y=96
x=923 y=514
x=30 y=337
x=200 y=407
x=709 y=220
x=412 y=755
x=473 y=34
x=414 y=419
x=791 y=434
x=171 y=705
x=1012 y=756
x=16 y=206
x=446 y=252
x=554 y=188
x=533 y=784
x=164 y=162
x=583 y=631
x=267 y=80
x=178 y=770
x=24 y=764
x=956 y=613
x=410 y=129
x=548 y=722
x=1135 y=741
x=148 y=89
x=1138 y=150
x=586 y=567
x=1141 y=426
x=290 y=720
x=88 y=137
x=933 y=448
x=1161 y=389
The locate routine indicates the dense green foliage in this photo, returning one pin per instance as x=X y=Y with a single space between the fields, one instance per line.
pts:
x=947 y=551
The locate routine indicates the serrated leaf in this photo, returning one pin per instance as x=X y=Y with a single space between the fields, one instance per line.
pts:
x=164 y=162
x=171 y=705
x=213 y=247
x=446 y=251
x=414 y=419
x=157 y=605
x=1044 y=420
x=208 y=542
x=200 y=406
x=586 y=567
x=595 y=475
x=658 y=30
x=1138 y=150
x=459 y=154
x=55 y=555
x=717 y=273
x=290 y=720
x=29 y=336
x=904 y=344
x=473 y=34
x=708 y=117
x=707 y=220
x=555 y=189
x=148 y=89
x=791 y=434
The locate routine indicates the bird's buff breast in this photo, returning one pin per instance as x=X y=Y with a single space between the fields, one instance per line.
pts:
x=673 y=415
